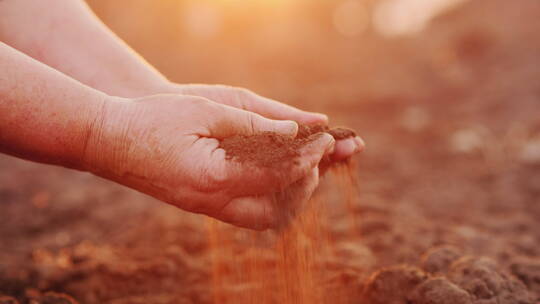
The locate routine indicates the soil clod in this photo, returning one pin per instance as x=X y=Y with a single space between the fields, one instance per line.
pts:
x=392 y=285
x=440 y=291
x=439 y=259
x=7 y=300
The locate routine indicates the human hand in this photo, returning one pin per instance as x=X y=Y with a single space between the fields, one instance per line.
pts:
x=167 y=146
x=245 y=99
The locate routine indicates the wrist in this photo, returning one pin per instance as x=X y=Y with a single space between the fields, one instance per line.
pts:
x=107 y=144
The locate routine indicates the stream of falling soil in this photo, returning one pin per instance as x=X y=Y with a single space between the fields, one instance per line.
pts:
x=293 y=266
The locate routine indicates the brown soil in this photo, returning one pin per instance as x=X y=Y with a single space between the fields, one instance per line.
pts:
x=338 y=133
x=456 y=280
x=8 y=300
x=266 y=149
x=341 y=133
x=36 y=297
x=270 y=149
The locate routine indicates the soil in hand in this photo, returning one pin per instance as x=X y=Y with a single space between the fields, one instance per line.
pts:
x=269 y=149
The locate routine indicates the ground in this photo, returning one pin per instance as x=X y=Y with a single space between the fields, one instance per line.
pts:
x=444 y=208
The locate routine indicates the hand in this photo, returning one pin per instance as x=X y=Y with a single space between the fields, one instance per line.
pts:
x=249 y=101
x=168 y=147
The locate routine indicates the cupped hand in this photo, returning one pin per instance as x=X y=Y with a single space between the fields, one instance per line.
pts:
x=167 y=146
x=247 y=100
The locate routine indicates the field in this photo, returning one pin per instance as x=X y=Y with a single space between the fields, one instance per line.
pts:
x=442 y=207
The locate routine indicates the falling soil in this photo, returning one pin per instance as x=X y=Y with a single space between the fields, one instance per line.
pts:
x=289 y=266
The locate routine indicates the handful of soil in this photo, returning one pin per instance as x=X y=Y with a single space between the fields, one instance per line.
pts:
x=269 y=149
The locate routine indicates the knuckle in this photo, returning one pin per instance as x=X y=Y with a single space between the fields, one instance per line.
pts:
x=251 y=124
x=195 y=100
x=242 y=97
x=201 y=105
x=243 y=92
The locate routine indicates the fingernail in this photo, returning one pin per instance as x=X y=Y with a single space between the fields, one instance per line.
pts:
x=321 y=117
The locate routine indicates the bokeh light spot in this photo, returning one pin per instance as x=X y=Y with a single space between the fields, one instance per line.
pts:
x=405 y=17
x=202 y=19
x=351 y=18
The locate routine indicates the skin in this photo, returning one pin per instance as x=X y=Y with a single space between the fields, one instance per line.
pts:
x=82 y=99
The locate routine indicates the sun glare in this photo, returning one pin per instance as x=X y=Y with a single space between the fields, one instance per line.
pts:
x=351 y=18
x=403 y=17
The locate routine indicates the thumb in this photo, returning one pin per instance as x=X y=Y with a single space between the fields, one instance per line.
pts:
x=235 y=121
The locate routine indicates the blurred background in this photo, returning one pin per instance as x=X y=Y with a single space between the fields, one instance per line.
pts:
x=446 y=94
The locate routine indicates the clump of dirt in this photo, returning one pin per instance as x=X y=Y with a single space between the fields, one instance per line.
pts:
x=53 y=298
x=485 y=282
x=392 y=285
x=338 y=132
x=269 y=149
x=341 y=133
x=528 y=271
x=305 y=131
x=438 y=259
x=7 y=300
x=441 y=291
x=34 y=296
x=448 y=278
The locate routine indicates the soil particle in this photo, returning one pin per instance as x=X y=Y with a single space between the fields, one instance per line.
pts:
x=7 y=300
x=341 y=133
x=486 y=284
x=270 y=150
x=439 y=291
x=451 y=279
x=338 y=133
x=305 y=131
x=529 y=273
x=57 y=298
x=438 y=260
x=392 y=285
x=52 y=298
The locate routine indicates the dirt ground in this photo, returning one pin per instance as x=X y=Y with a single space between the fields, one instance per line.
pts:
x=445 y=208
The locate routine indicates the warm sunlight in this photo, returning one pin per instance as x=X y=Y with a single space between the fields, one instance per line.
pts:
x=403 y=17
x=269 y=152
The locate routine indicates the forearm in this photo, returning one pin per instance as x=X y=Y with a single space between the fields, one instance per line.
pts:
x=45 y=116
x=67 y=36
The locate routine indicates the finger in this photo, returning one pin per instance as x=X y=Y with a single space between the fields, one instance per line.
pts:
x=277 y=110
x=233 y=121
x=270 y=211
x=247 y=100
x=346 y=148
